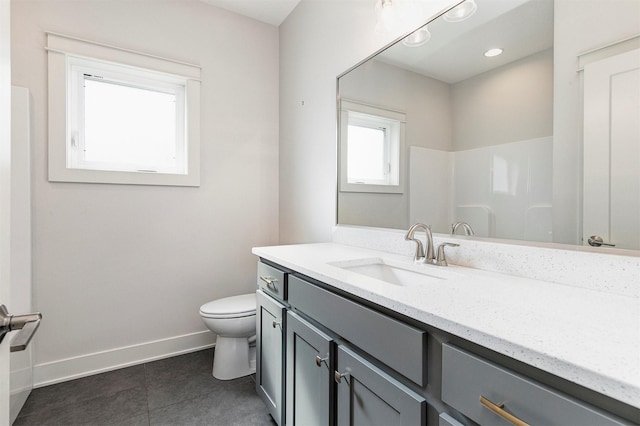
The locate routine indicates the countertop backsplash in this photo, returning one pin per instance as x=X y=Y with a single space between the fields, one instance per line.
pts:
x=561 y=264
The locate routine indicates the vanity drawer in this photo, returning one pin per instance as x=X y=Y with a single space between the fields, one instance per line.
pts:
x=396 y=344
x=272 y=281
x=466 y=378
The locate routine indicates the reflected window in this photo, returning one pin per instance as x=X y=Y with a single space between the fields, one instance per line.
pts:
x=371 y=151
x=371 y=141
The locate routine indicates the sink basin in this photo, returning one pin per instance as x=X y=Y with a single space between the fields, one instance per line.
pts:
x=392 y=272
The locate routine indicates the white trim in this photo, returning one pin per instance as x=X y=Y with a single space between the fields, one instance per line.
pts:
x=99 y=362
x=66 y=44
x=59 y=47
x=608 y=50
x=351 y=105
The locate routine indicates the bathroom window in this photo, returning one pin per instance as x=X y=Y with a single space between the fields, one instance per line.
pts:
x=371 y=149
x=123 y=122
x=130 y=119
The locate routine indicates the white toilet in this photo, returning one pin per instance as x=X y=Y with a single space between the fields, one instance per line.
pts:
x=233 y=320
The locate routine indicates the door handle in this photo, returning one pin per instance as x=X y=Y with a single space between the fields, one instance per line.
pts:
x=596 y=241
x=27 y=324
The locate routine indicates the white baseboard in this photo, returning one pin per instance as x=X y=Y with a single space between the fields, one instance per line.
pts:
x=98 y=362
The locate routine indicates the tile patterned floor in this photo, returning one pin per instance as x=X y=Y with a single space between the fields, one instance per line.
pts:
x=174 y=391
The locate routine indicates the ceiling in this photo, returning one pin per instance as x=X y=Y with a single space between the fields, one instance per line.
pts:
x=454 y=52
x=270 y=11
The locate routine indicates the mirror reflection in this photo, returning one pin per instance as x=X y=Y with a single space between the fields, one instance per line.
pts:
x=473 y=98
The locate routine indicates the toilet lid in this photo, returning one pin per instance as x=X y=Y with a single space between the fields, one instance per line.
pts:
x=234 y=306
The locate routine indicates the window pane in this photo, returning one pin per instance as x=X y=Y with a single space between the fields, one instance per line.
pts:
x=365 y=154
x=129 y=126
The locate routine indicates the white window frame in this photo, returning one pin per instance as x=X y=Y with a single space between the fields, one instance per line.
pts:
x=68 y=59
x=352 y=112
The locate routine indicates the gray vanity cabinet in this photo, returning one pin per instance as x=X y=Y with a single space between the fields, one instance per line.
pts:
x=341 y=368
x=366 y=395
x=493 y=395
x=270 y=349
x=309 y=373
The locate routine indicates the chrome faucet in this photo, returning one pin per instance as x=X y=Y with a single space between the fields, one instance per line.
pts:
x=420 y=255
x=464 y=225
x=428 y=257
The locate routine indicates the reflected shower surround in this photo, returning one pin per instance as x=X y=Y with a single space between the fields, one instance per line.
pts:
x=502 y=191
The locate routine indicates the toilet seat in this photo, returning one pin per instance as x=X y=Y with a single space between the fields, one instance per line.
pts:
x=240 y=306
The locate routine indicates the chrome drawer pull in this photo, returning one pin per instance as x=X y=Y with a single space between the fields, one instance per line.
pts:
x=499 y=410
x=338 y=377
x=320 y=360
x=270 y=282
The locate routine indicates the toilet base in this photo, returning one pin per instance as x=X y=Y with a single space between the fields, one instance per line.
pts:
x=233 y=358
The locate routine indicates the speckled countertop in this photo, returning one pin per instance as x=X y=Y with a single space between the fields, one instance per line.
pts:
x=586 y=336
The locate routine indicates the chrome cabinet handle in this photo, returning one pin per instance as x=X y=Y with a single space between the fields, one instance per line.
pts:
x=28 y=324
x=275 y=324
x=320 y=360
x=337 y=376
x=270 y=281
x=596 y=241
x=499 y=410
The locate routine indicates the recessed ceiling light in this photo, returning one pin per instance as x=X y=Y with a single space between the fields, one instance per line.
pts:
x=417 y=38
x=461 y=12
x=493 y=52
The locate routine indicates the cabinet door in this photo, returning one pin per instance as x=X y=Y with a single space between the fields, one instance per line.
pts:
x=270 y=341
x=367 y=395
x=308 y=373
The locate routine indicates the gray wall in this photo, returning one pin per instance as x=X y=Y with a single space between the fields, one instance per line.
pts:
x=121 y=270
x=509 y=104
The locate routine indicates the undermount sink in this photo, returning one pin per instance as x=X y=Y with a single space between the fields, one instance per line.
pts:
x=393 y=272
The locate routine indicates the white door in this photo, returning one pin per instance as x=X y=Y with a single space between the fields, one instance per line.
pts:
x=15 y=236
x=611 y=207
x=5 y=199
x=20 y=361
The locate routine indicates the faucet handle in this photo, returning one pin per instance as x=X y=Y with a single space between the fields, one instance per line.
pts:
x=419 y=254
x=441 y=259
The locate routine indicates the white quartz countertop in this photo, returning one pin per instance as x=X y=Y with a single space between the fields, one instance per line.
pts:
x=589 y=337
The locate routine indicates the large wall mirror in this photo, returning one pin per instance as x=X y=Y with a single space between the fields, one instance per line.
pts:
x=480 y=119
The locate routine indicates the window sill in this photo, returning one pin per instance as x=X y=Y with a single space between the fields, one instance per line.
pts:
x=123 y=178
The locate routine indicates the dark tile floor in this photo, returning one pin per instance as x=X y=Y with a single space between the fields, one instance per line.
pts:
x=172 y=391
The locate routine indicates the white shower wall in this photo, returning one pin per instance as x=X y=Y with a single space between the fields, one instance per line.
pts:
x=431 y=183
x=502 y=191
